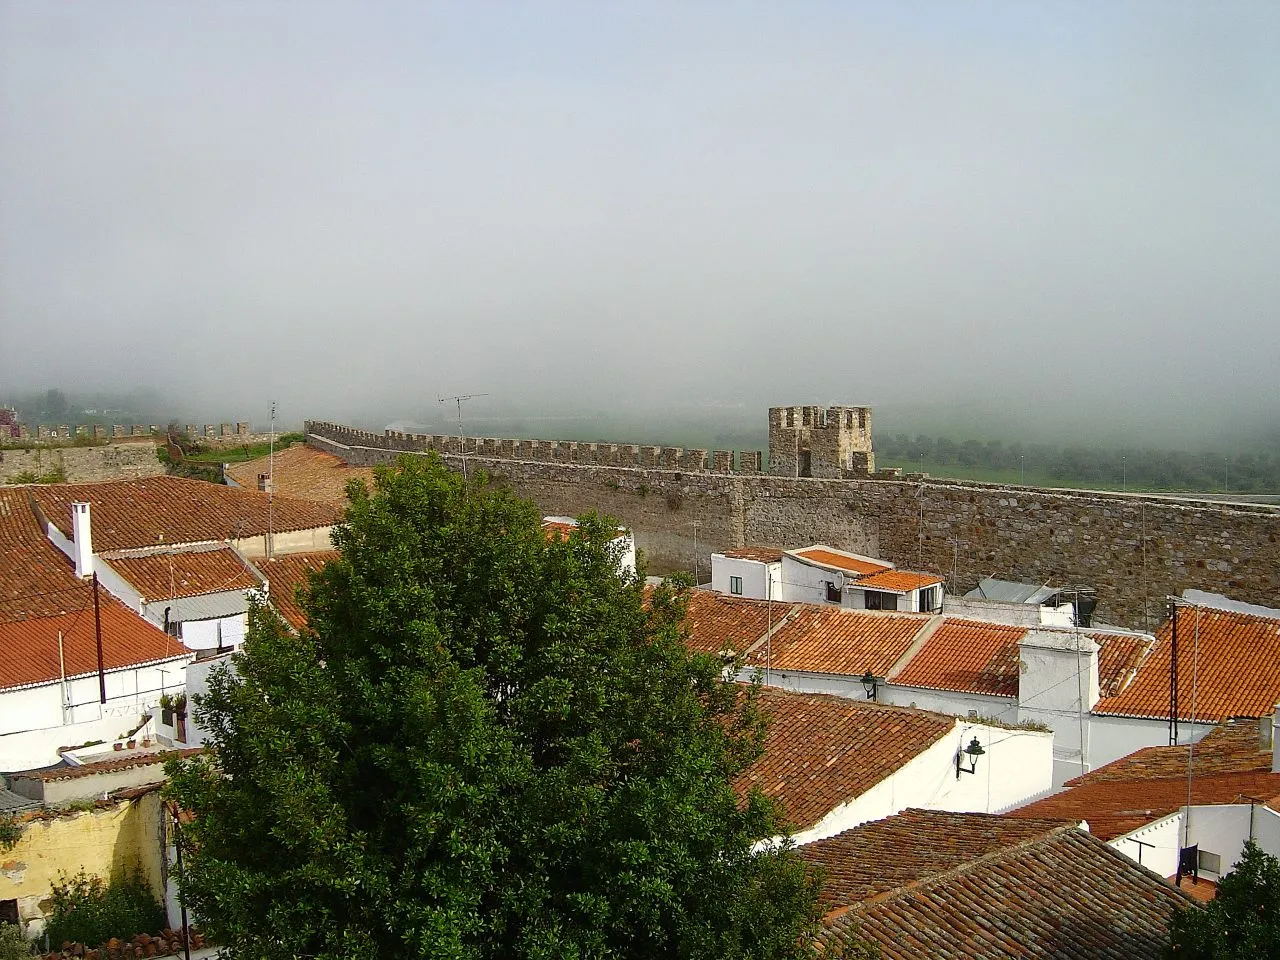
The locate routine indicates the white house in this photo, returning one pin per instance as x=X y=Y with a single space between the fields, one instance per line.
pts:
x=751 y=572
x=52 y=694
x=1139 y=804
x=834 y=763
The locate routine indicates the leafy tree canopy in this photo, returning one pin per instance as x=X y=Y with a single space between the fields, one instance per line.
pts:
x=486 y=745
x=1242 y=922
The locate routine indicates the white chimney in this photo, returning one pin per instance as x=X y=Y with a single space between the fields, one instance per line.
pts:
x=82 y=535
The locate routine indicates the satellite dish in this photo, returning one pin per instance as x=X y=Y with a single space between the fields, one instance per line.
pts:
x=838 y=582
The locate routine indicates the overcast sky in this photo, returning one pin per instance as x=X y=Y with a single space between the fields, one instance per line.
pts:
x=354 y=206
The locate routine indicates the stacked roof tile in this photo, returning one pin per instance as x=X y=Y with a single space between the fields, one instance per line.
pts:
x=108 y=765
x=1115 y=807
x=1061 y=895
x=31 y=654
x=968 y=656
x=898 y=581
x=36 y=578
x=302 y=472
x=758 y=554
x=1229 y=748
x=173 y=510
x=1232 y=658
x=717 y=623
x=162 y=576
x=841 y=561
x=287 y=574
x=825 y=751
x=884 y=855
x=818 y=639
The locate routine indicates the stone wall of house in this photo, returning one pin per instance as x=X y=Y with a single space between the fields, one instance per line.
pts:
x=109 y=461
x=1134 y=550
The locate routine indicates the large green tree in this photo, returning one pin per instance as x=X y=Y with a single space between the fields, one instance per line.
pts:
x=486 y=745
x=1242 y=922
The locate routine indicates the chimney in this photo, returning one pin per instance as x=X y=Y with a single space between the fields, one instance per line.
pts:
x=82 y=537
x=264 y=482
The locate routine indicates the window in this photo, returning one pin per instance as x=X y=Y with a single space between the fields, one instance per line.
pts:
x=9 y=911
x=927 y=598
x=879 y=600
x=1210 y=862
x=833 y=592
x=735 y=585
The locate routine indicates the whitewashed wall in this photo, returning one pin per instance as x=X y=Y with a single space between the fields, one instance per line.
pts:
x=805 y=583
x=1017 y=766
x=34 y=722
x=755 y=576
x=1165 y=838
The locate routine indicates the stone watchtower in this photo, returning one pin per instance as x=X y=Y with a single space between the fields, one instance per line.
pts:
x=816 y=442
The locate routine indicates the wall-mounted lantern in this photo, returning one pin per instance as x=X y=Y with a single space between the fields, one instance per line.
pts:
x=869 y=684
x=971 y=753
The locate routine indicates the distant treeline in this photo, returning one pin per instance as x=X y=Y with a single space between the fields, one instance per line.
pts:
x=1137 y=469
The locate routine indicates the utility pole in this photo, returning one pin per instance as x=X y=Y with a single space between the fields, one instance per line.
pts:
x=97 y=630
x=1124 y=474
x=1173 y=673
x=462 y=439
x=956 y=544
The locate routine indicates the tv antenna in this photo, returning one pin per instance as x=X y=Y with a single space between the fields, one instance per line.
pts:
x=462 y=437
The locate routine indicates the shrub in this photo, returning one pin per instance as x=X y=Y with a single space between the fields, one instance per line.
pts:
x=87 y=910
x=13 y=945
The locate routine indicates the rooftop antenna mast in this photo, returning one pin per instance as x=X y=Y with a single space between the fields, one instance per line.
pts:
x=271 y=485
x=462 y=437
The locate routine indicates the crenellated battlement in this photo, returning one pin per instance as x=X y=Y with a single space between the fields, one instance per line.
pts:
x=636 y=456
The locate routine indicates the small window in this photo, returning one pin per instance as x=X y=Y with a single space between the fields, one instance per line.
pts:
x=879 y=600
x=9 y=912
x=1210 y=862
x=927 y=598
x=833 y=593
x=735 y=585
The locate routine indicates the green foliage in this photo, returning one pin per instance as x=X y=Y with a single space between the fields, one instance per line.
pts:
x=486 y=745
x=209 y=453
x=10 y=831
x=1241 y=923
x=88 y=910
x=57 y=474
x=13 y=945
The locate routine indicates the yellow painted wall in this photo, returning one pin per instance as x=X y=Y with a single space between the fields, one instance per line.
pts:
x=109 y=842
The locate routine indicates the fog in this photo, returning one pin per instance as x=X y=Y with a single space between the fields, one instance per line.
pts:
x=1064 y=212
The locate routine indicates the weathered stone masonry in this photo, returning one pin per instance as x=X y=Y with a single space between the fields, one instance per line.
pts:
x=1134 y=550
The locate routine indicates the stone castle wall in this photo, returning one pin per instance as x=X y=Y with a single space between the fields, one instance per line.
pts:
x=1134 y=550
x=110 y=461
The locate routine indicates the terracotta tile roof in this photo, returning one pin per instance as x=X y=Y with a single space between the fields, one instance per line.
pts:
x=110 y=765
x=968 y=656
x=1064 y=896
x=1203 y=889
x=1116 y=807
x=897 y=581
x=973 y=656
x=1230 y=748
x=840 y=561
x=819 y=639
x=174 y=510
x=557 y=530
x=305 y=473
x=716 y=622
x=1119 y=659
x=31 y=646
x=36 y=578
x=1238 y=673
x=823 y=751
x=883 y=855
x=287 y=573
x=160 y=576
x=758 y=554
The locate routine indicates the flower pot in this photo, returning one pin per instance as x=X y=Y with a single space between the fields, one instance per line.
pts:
x=132 y=744
x=117 y=746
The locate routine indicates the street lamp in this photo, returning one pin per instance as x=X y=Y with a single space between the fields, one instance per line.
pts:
x=869 y=684
x=973 y=751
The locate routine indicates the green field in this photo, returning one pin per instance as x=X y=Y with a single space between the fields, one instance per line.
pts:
x=239 y=454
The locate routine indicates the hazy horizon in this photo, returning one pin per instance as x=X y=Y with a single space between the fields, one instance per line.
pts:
x=998 y=217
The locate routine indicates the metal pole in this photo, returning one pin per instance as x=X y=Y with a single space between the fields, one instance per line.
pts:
x=97 y=630
x=182 y=903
